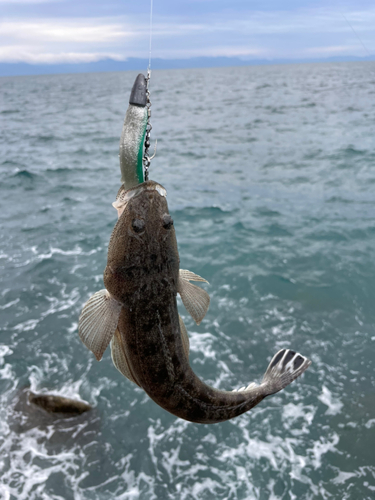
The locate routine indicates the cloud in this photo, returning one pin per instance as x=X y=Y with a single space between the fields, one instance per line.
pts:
x=65 y=40
x=300 y=21
x=53 y=30
x=22 y=54
x=252 y=34
x=336 y=49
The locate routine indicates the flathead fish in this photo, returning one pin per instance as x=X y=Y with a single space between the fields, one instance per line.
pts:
x=137 y=314
x=58 y=404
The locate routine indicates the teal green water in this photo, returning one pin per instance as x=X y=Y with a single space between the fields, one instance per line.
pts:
x=270 y=173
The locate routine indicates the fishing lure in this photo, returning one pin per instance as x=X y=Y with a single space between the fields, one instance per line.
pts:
x=136 y=135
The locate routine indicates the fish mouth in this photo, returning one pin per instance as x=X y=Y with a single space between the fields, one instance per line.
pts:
x=123 y=196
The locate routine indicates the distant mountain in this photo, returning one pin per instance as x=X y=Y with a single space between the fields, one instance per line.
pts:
x=16 y=69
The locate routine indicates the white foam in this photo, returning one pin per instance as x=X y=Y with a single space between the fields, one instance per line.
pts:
x=342 y=477
x=333 y=403
x=293 y=412
x=10 y=304
x=38 y=257
x=32 y=464
x=323 y=446
x=370 y=423
x=203 y=343
x=77 y=250
x=5 y=350
x=25 y=326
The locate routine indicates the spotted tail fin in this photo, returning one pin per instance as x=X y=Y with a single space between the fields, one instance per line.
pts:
x=285 y=366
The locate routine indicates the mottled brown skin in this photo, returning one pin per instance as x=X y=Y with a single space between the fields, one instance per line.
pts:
x=59 y=404
x=142 y=274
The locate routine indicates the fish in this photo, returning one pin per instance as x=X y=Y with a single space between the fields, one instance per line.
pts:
x=136 y=314
x=56 y=430
x=58 y=404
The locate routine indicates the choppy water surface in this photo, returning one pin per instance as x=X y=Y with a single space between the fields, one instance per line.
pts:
x=270 y=173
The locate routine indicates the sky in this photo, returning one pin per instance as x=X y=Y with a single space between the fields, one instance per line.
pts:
x=81 y=31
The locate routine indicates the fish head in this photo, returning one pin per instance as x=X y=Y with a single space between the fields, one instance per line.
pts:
x=142 y=251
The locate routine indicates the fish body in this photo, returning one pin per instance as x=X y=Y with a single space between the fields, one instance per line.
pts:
x=137 y=314
x=59 y=404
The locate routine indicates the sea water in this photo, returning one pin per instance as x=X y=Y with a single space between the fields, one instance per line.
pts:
x=270 y=173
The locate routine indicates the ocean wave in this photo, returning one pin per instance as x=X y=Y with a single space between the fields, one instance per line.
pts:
x=18 y=259
x=77 y=250
x=25 y=174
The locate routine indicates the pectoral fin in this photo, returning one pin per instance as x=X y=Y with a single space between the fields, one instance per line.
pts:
x=98 y=322
x=119 y=356
x=184 y=336
x=189 y=276
x=195 y=299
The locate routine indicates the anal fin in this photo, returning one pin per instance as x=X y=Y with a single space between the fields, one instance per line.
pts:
x=98 y=322
x=184 y=336
x=119 y=356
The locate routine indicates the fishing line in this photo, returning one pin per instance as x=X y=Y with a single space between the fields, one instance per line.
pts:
x=356 y=34
x=149 y=57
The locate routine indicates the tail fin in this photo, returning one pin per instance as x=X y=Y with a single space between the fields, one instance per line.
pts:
x=285 y=367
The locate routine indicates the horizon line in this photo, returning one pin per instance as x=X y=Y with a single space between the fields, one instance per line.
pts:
x=21 y=68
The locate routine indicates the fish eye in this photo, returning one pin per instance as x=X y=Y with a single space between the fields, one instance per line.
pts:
x=167 y=221
x=138 y=225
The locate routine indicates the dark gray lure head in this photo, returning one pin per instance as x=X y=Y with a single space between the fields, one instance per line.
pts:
x=138 y=95
x=143 y=248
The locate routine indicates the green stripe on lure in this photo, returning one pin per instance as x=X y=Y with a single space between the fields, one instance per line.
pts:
x=133 y=135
